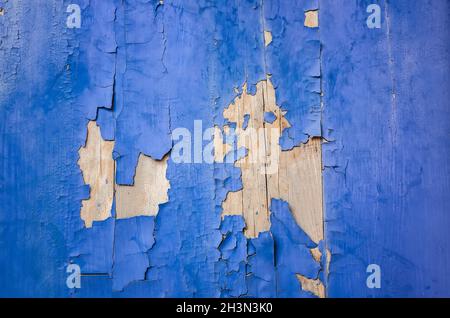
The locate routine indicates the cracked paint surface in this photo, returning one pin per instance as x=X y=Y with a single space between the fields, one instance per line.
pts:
x=267 y=172
x=143 y=197
x=138 y=69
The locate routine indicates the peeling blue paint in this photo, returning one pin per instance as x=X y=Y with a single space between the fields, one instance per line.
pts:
x=269 y=117
x=141 y=69
x=386 y=165
x=295 y=69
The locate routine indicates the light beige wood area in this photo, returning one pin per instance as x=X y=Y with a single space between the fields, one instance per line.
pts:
x=300 y=184
x=97 y=166
x=312 y=19
x=294 y=176
x=316 y=254
x=150 y=186
x=148 y=191
x=267 y=38
x=314 y=286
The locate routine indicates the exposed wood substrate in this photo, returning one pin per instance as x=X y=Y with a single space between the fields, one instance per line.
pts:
x=267 y=38
x=268 y=172
x=312 y=19
x=300 y=184
x=316 y=254
x=314 y=286
x=97 y=166
x=149 y=189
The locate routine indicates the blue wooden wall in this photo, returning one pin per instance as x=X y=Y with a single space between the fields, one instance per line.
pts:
x=141 y=68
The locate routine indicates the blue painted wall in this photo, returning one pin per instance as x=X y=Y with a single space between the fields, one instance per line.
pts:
x=386 y=180
x=141 y=69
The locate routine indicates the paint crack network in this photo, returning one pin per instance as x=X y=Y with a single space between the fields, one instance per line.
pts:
x=268 y=173
x=272 y=227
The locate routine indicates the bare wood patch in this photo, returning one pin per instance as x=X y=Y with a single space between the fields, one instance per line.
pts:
x=294 y=176
x=252 y=200
x=97 y=166
x=316 y=254
x=314 y=286
x=301 y=186
x=267 y=38
x=148 y=192
x=328 y=261
x=312 y=19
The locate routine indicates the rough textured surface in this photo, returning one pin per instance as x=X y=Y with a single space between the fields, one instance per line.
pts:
x=294 y=175
x=386 y=178
x=97 y=166
x=314 y=286
x=148 y=191
x=368 y=123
